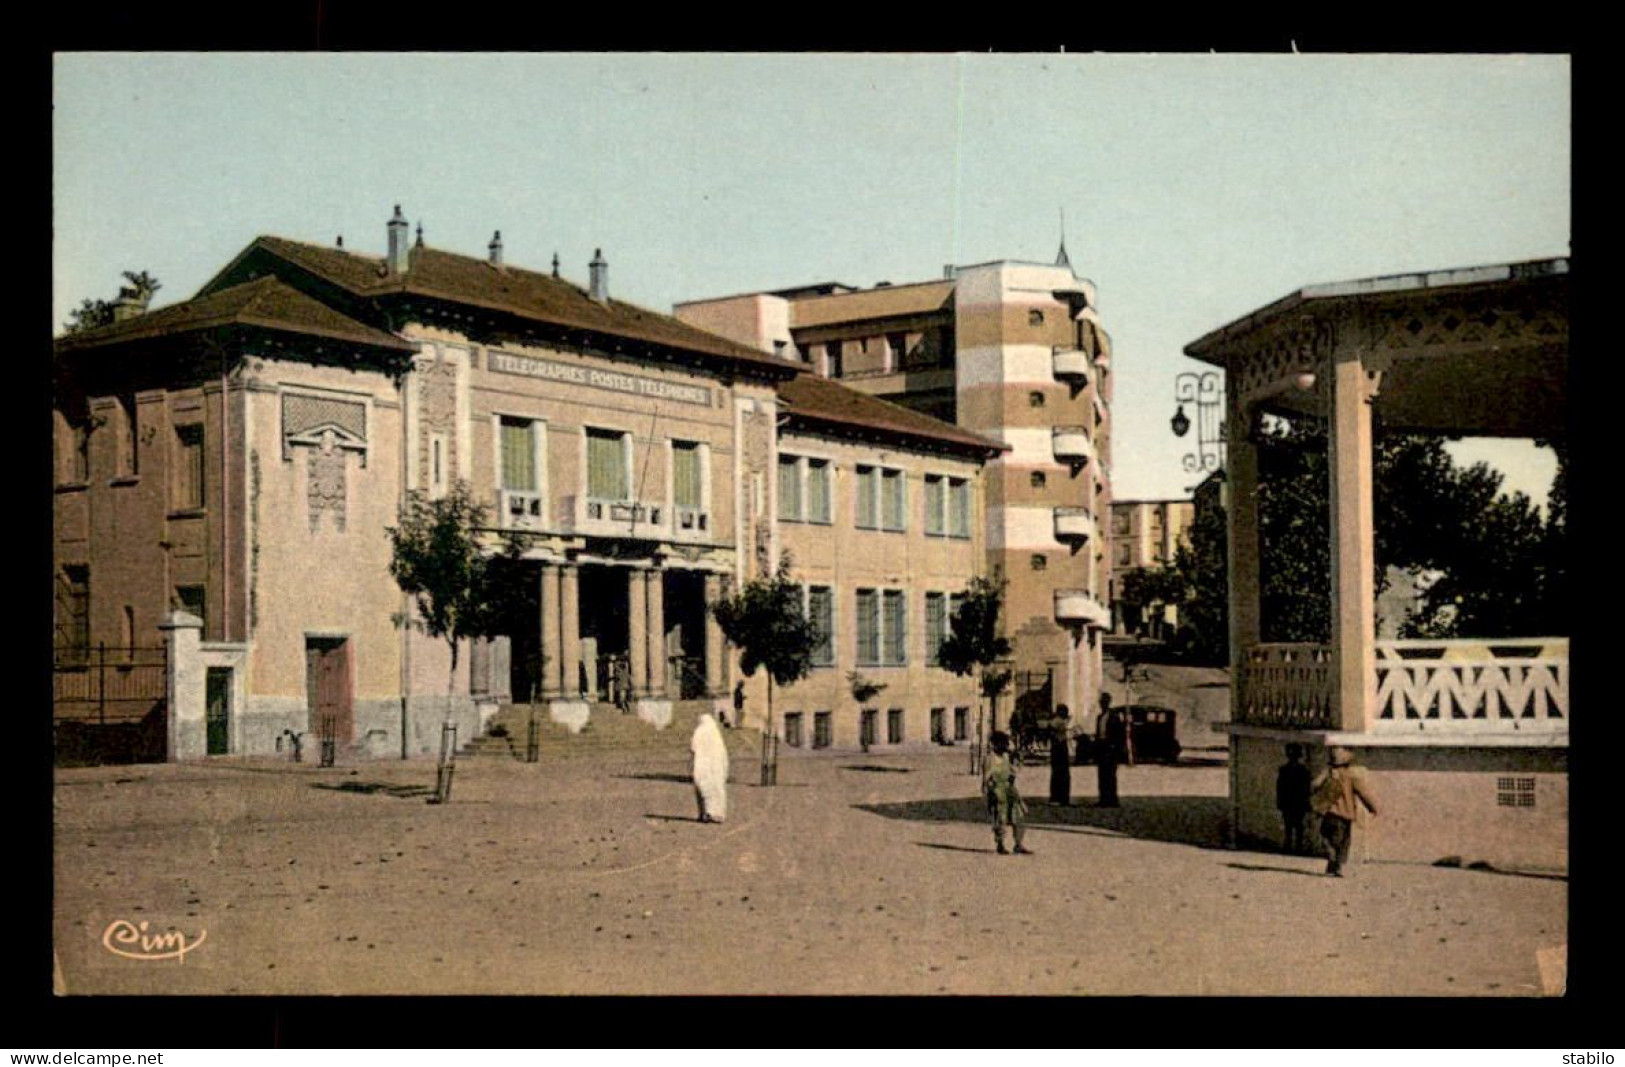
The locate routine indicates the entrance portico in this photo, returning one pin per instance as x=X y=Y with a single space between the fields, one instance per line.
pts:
x=633 y=633
x=1478 y=352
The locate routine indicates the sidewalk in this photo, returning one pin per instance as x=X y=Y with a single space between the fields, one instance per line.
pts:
x=857 y=874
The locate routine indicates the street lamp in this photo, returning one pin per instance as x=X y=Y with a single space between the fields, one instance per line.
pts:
x=1205 y=393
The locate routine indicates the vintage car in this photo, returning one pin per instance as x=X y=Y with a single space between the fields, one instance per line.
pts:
x=1152 y=737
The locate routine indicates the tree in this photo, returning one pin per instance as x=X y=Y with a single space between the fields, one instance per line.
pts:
x=461 y=590
x=974 y=643
x=1144 y=588
x=91 y=314
x=1202 y=564
x=766 y=622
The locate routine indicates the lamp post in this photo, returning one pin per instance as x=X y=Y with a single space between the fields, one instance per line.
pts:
x=1205 y=393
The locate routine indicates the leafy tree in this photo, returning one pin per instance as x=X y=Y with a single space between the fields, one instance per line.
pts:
x=461 y=590
x=765 y=620
x=91 y=314
x=1203 y=567
x=1146 y=587
x=974 y=644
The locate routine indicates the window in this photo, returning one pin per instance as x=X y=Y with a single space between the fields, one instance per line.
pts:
x=75 y=450
x=687 y=476
x=437 y=465
x=127 y=629
x=792 y=729
x=935 y=502
x=868 y=486
x=188 y=490
x=1124 y=550
x=789 y=489
x=1039 y=479
x=73 y=612
x=818 y=491
x=1035 y=317
x=894 y=620
x=894 y=726
x=936 y=625
x=1119 y=521
x=958 y=507
x=194 y=600
x=939 y=725
x=821 y=729
x=1040 y=561
x=518 y=441
x=898 y=343
x=868 y=628
x=1035 y=399
x=607 y=461
x=833 y=364
x=129 y=456
x=866 y=726
x=893 y=500
x=821 y=612
x=961 y=724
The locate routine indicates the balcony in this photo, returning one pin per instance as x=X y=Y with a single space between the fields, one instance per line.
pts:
x=1071 y=365
x=1075 y=525
x=691 y=525
x=1510 y=685
x=621 y=518
x=1081 y=607
x=1072 y=445
x=520 y=510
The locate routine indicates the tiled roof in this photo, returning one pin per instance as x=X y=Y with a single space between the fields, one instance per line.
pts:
x=265 y=302
x=528 y=294
x=820 y=401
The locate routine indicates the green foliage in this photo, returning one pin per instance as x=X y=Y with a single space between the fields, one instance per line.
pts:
x=766 y=622
x=863 y=689
x=1203 y=568
x=460 y=590
x=91 y=314
x=974 y=639
x=1145 y=587
x=1294 y=534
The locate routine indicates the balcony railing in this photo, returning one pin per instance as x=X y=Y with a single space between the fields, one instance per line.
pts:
x=1075 y=524
x=1075 y=606
x=1071 y=364
x=521 y=510
x=1072 y=445
x=1473 y=686
x=1287 y=685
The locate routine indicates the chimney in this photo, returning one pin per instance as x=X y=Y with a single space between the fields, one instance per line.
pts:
x=496 y=249
x=130 y=304
x=397 y=243
x=599 y=272
x=948 y=270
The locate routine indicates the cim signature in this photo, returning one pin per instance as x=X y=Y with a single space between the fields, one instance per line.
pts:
x=124 y=938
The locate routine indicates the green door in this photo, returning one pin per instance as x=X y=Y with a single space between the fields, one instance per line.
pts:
x=218 y=710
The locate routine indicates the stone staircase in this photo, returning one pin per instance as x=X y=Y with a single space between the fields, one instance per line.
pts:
x=609 y=732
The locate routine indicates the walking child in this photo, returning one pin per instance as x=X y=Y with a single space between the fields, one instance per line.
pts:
x=1337 y=796
x=1004 y=803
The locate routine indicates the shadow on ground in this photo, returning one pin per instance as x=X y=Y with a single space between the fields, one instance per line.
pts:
x=682 y=779
x=369 y=788
x=1184 y=820
x=874 y=768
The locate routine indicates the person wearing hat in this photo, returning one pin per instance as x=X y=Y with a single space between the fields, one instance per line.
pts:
x=1339 y=792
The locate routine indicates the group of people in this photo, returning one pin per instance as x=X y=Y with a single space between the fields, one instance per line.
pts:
x=1004 y=802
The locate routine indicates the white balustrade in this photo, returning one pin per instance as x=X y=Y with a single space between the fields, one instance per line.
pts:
x=1287 y=685
x=1468 y=686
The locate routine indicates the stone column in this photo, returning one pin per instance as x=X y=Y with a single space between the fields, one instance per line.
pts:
x=570 y=631
x=716 y=649
x=1353 y=583
x=637 y=625
x=184 y=687
x=657 y=633
x=550 y=632
x=1242 y=479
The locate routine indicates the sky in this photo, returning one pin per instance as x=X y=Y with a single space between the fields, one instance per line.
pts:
x=1195 y=187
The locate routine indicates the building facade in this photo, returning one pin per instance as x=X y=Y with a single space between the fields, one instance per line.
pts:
x=1014 y=352
x=1146 y=534
x=228 y=468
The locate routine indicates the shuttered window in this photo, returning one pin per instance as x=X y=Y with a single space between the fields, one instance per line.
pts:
x=519 y=455
x=868 y=486
x=936 y=625
x=821 y=612
x=893 y=500
x=606 y=465
x=189 y=466
x=896 y=627
x=933 y=504
x=958 y=507
x=789 y=489
x=687 y=483
x=818 y=491
x=868 y=628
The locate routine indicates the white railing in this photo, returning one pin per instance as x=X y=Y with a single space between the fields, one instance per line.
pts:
x=1081 y=606
x=521 y=510
x=1473 y=685
x=1287 y=685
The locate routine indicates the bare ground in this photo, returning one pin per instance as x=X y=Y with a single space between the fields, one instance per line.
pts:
x=857 y=874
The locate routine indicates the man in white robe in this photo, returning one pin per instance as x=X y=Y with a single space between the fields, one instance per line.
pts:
x=710 y=769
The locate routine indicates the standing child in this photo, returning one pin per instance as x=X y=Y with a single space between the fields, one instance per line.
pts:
x=1292 y=797
x=1004 y=803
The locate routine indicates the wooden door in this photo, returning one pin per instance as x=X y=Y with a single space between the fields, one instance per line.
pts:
x=328 y=683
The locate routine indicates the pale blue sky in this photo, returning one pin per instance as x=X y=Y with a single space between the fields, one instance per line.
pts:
x=1196 y=187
